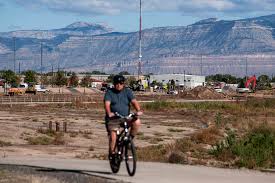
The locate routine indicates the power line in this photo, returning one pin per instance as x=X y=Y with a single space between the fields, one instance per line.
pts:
x=140 y=28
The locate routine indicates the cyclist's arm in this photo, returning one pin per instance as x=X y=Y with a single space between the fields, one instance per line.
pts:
x=136 y=105
x=107 y=106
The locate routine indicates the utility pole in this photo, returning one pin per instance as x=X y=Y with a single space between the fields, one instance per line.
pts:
x=140 y=28
x=41 y=58
x=52 y=76
x=184 y=79
x=201 y=65
x=14 y=55
x=246 y=68
x=19 y=70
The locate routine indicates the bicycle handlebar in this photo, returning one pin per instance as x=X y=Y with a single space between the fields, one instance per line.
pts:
x=126 y=117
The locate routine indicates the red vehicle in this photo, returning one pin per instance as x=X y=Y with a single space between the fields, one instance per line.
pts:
x=251 y=83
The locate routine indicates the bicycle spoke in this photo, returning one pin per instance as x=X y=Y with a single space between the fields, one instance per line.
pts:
x=130 y=160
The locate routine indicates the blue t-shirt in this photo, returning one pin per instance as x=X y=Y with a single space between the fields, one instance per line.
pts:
x=120 y=100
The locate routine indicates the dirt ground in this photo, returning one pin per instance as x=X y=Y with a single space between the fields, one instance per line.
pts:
x=86 y=136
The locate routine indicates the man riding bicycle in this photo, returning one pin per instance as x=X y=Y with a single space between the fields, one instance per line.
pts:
x=118 y=100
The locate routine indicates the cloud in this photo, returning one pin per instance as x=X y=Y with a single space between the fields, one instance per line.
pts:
x=14 y=27
x=190 y=7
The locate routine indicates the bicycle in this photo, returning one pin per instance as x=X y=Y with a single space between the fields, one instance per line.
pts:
x=124 y=146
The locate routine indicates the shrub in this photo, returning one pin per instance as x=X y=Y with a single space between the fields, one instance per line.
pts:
x=169 y=153
x=257 y=148
x=206 y=136
x=4 y=143
x=254 y=150
x=218 y=119
x=40 y=140
x=56 y=139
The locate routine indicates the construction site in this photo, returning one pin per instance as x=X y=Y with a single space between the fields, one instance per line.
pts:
x=69 y=121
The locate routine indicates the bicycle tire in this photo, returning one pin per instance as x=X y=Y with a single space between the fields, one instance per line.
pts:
x=115 y=163
x=130 y=158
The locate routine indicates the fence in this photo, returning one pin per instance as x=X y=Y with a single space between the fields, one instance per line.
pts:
x=52 y=98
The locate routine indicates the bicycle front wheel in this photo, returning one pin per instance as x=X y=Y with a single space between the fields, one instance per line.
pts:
x=130 y=158
x=115 y=160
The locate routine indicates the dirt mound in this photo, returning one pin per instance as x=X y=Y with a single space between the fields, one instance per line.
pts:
x=201 y=92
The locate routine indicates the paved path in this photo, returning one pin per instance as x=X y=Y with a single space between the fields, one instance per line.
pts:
x=148 y=172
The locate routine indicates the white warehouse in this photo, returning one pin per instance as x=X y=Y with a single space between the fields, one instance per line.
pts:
x=189 y=81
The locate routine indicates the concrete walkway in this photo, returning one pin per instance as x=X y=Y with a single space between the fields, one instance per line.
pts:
x=148 y=172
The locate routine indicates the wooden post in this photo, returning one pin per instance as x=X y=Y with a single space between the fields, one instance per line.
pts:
x=50 y=125
x=57 y=129
x=65 y=127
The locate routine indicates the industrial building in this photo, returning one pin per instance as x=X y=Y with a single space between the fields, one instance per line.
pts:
x=189 y=81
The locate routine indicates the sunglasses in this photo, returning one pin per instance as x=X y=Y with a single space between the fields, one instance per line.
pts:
x=121 y=83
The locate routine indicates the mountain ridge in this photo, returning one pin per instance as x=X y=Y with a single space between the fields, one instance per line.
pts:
x=99 y=47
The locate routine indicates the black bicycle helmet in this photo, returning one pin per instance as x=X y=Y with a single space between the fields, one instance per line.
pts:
x=118 y=79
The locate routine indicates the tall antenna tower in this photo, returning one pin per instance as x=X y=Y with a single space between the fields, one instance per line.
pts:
x=14 y=55
x=140 y=54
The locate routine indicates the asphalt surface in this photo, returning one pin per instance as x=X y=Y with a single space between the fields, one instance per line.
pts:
x=147 y=172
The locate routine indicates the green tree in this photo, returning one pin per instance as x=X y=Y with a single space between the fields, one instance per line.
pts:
x=132 y=82
x=124 y=73
x=60 y=79
x=110 y=78
x=44 y=80
x=73 y=80
x=10 y=77
x=30 y=76
x=241 y=83
x=263 y=82
x=85 y=82
x=98 y=73
x=227 y=78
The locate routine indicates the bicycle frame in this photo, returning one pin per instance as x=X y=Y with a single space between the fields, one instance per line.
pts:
x=124 y=147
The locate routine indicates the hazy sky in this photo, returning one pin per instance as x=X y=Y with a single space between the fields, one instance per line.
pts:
x=122 y=15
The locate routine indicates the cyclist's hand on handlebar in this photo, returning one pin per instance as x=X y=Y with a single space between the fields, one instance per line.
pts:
x=139 y=113
x=111 y=114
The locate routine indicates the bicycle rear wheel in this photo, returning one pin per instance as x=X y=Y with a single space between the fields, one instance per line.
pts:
x=130 y=158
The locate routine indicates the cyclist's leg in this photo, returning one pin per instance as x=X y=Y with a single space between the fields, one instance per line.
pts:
x=135 y=127
x=112 y=128
x=112 y=142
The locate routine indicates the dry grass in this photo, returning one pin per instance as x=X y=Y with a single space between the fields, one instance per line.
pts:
x=175 y=130
x=91 y=148
x=73 y=134
x=87 y=136
x=56 y=139
x=207 y=136
x=40 y=140
x=155 y=140
x=4 y=143
x=170 y=153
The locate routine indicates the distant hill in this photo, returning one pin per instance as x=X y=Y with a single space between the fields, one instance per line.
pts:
x=84 y=46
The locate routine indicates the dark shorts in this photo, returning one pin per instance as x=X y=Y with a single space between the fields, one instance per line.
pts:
x=114 y=124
